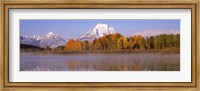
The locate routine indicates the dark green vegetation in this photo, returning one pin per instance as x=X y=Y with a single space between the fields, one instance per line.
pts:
x=30 y=48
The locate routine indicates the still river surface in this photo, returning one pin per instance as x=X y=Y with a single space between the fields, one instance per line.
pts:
x=100 y=62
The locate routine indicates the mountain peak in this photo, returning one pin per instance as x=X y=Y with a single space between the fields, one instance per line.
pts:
x=101 y=25
x=52 y=34
x=99 y=30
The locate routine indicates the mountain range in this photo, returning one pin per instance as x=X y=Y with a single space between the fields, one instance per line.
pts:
x=54 y=40
x=51 y=39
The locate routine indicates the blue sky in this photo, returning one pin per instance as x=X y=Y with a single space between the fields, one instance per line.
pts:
x=75 y=28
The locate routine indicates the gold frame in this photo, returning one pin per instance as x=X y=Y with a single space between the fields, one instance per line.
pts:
x=194 y=6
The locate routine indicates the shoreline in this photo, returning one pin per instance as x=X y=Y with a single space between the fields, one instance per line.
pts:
x=154 y=51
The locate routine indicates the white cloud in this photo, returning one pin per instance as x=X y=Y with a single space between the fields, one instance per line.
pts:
x=147 y=33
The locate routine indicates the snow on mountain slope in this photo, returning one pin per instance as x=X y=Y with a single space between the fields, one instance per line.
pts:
x=37 y=37
x=29 y=41
x=98 y=31
x=51 y=39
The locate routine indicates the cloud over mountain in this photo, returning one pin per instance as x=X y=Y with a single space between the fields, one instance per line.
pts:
x=147 y=33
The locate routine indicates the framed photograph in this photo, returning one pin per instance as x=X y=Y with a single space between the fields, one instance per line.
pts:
x=95 y=45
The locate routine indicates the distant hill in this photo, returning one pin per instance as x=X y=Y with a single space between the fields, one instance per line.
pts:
x=25 y=47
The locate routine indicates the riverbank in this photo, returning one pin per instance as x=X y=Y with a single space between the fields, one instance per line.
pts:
x=160 y=51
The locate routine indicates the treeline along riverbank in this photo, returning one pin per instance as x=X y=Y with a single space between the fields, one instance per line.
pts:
x=115 y=43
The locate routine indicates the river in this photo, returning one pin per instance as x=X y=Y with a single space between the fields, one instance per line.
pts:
x=100 y=62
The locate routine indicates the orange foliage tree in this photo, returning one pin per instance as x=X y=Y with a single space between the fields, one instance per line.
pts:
x=70 y=45
x=119 y=42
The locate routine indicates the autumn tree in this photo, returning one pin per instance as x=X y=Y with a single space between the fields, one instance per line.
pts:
x=85 y=45
x=94 y=45
x=78 y=46
x=143 y=43
x=130 y=43
x=137 y=39
x=119 y=42
x=70 y=45
x=125 y=43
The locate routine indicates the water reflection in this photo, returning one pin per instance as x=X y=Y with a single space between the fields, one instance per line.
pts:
x=122 y=66
x=100 y=62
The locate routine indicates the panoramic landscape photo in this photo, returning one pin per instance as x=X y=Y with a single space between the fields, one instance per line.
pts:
x=99 y=45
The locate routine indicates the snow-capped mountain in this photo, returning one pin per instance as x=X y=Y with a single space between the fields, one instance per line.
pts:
x=51 y=39
x=29 y=41
x=37 y=37
x=98 y=31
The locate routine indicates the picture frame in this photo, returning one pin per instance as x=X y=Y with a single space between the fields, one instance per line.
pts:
x=193 y=85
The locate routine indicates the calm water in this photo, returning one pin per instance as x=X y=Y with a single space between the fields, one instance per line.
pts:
x=100 y=62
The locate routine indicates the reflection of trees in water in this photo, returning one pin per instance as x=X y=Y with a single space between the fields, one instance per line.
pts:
x=73 y=65
x=104 y=65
